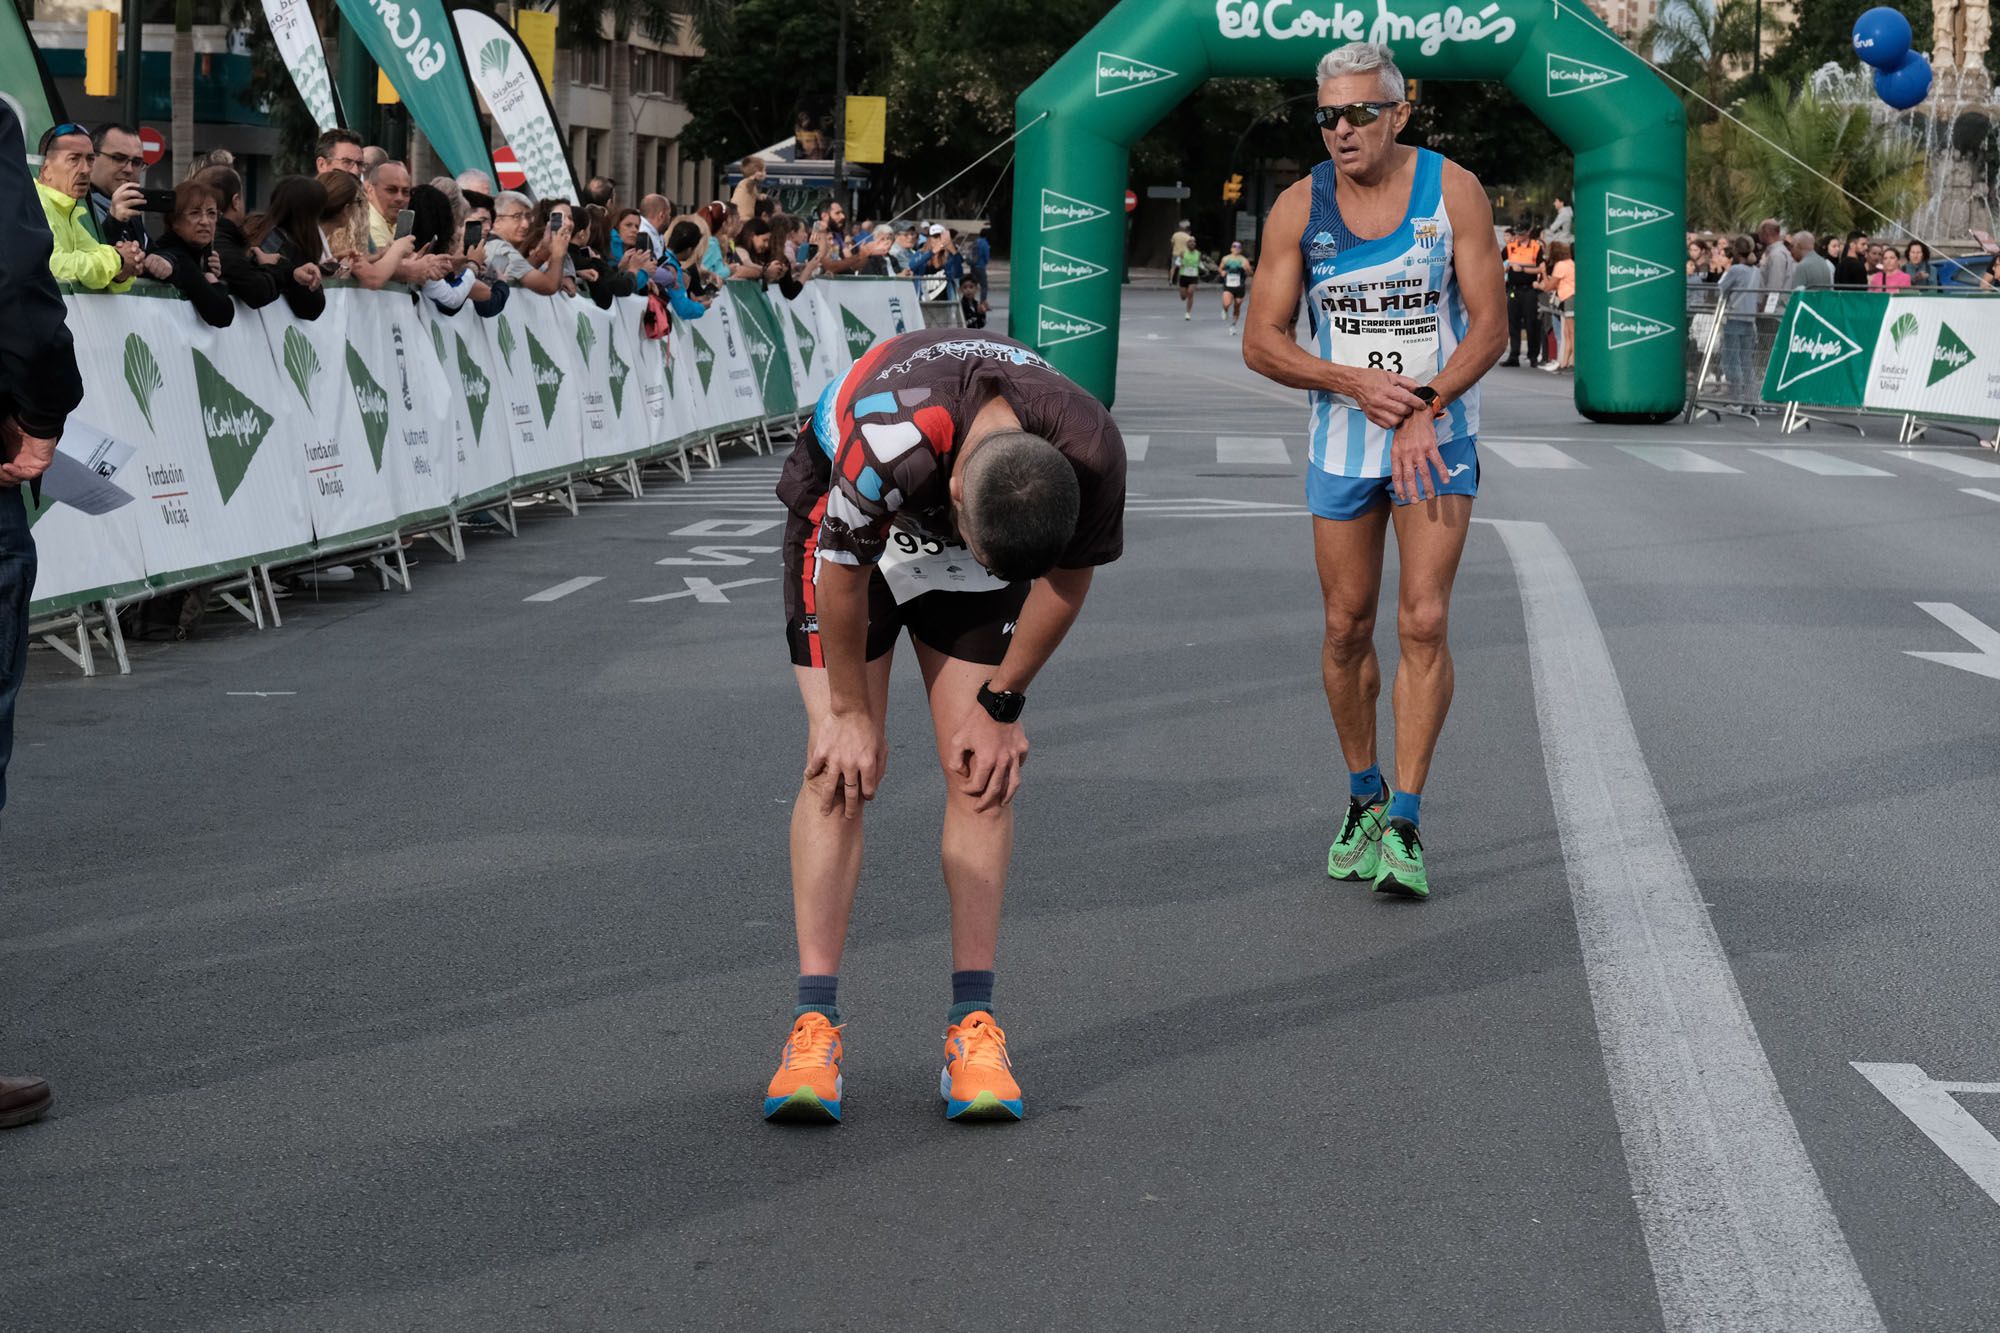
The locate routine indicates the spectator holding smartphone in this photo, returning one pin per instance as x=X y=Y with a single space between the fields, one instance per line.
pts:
x=344 y=224
x=117 y=204
x=515 y=238
x=189 y=250
x=79 y=257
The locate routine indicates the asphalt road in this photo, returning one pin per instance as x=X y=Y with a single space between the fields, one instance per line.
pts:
x=419 y=965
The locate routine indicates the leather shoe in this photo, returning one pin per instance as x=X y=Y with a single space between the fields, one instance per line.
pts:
x=23 y=1100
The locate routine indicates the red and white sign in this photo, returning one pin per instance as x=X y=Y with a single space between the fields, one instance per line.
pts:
x=508 y=169
x=1131 y=202
x=151 y=146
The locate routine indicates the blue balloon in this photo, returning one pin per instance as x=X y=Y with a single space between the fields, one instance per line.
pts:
x=1907 y=84
x=1882 y=37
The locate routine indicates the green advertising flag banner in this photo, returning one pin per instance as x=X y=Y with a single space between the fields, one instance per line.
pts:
x=414 y=44
x=1825 y=344
x=1626 y=127
x=25 y=84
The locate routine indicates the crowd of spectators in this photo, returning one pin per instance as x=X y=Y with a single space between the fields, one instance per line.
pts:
x=1540 y=267
x=453 y=240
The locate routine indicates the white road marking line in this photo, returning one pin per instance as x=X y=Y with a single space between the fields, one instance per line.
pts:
x=1136 y=447
x=1984 y=495
x=259 y=694
x=1931 y=1107
x=1964 y=467
x=729 y=527
x=718 y=555
x=701 y=590
x=564 y=589
x=1673 y=458
x=1822 y=465
x=1739 y=1231
x=1530 y=453
x=1251 y=449
x=1983 y=637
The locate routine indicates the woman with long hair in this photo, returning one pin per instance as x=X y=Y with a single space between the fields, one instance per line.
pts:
x=343 y=221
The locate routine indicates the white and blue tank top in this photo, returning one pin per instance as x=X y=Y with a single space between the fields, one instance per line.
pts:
x=1392 y=304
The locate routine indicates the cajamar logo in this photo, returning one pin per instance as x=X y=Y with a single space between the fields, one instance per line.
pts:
x=234 y=425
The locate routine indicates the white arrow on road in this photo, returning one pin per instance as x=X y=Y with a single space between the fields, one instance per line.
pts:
x=702 y=590
x=1985 y=662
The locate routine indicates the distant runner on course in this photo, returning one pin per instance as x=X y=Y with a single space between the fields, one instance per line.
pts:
x=1393 y=248
x=953 y=484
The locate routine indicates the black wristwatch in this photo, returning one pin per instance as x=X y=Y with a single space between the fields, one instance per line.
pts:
x=1430 y=398
x=1003 y=706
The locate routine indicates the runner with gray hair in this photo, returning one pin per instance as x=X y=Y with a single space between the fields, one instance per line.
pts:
x=1393 y=248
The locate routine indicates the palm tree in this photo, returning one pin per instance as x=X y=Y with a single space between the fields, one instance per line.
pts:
x=1844 y=149
x=1705 y=44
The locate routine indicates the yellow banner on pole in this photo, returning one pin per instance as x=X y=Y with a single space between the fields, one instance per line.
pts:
x=100 y=54
x=537 y=30
x=867 y=128
x=385 y=91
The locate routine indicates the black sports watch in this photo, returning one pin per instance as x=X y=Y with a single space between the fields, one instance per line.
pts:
x=1003 y=706
x=1430 y=398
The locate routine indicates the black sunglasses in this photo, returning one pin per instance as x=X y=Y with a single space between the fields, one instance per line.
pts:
x=1356 y=114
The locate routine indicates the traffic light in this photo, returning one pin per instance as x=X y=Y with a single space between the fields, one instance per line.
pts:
x=1232 y=189
x=100 y=54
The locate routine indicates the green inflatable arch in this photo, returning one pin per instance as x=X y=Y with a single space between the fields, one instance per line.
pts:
x=1624 y=125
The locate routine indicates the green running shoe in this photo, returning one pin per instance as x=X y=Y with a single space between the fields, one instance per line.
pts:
x=1357 y=852
x=1401 y=868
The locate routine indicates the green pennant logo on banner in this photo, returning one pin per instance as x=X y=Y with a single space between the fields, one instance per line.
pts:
x=586 y=337
x=301 y=363
x=478 y=389
x=762 y=353
x=548 y=377
x=507 y=343
x=493 y=57
x=1951 y=356
x=234 y=425
x=142 y=374
x=859 y=336
x=437 y=345
x=619 y=370
x=704 y=358
x=1812 y=345
x=372 y=401
x=806 y=343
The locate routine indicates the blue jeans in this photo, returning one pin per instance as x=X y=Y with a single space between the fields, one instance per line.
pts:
x=17 y=581
x=1739 y=345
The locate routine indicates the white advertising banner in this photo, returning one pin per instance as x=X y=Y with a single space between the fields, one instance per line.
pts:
x=507 y=81
x=296 y=34
x=547 y=428
x=327 y=391
x=615 y=424
x=812 y=358
x=405 y=404
x=484 y=454
x=1937 y=356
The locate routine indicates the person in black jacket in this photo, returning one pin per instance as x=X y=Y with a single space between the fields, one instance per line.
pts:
x=257 y=277
x=189 y=246
x=39 y=387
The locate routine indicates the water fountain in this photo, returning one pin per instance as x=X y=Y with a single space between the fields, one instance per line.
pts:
x=1954 y=129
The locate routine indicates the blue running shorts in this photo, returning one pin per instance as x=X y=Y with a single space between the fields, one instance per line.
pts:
x=1341 y=498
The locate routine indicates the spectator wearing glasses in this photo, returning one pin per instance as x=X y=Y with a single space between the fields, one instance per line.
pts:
x=513 y=241
x=189 y=247
x=475 y=182
x=79 y=257
x=117 y=204
x=257 y=277
x=338 y=150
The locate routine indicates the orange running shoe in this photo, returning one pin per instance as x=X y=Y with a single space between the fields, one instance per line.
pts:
x=807 y=1084
x=978 y=1080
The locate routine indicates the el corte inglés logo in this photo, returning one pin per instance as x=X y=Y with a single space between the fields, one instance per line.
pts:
x=1951 y=356
x=1121 y=74
x=371 y=400
x=619 y=370
x=806 y=343
x=1053 y=326
x=1059 y=269
x=1568 y=75
x=478 y=389
x=1380 y=22
x=1812 y=347
x=1627 y=328
x=1626 y=270
x=1060 y=210
x=704 y=358
x=234 y=425
x=1622 y=213
x=859 y=336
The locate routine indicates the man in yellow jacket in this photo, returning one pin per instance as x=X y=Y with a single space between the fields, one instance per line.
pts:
x=64 y=183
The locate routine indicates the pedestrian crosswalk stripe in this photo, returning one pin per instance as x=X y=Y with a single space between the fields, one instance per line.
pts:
x=1822 y=465
x=1251 y=449
x=1136 y=447
x=1525 y=453
x=1964 y=467
x=1673 y=458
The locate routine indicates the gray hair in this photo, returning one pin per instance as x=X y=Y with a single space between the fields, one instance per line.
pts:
x=1364 y=58
x=512 y=199
x=1021 y=501
x=476 y=181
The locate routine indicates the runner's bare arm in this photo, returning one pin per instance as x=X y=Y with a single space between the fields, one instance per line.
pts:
x=1481 y=284
x=1052 y=607
x=848 y=748
x=1270 y=346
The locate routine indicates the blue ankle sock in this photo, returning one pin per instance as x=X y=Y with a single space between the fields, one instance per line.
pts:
x=970 y=991
x=1405 y=805
x=1367 y=783
x=817 y=996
